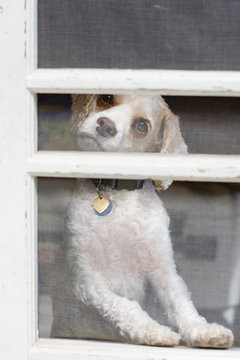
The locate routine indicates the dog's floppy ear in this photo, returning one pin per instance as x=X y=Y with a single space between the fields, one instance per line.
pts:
x=172 y=142
x=81 y=106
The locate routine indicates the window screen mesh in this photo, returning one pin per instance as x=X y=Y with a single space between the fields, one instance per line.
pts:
x=157 y=34
x=198 y=35
x=205 y=231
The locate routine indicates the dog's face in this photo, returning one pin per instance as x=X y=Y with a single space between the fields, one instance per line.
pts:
x=125 y=123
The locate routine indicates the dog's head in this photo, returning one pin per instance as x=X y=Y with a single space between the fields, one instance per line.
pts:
x=125 y=123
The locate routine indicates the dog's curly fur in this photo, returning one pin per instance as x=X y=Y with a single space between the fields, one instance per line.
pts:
x=107 y=263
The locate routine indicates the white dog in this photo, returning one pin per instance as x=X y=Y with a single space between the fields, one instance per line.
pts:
x=112 y=254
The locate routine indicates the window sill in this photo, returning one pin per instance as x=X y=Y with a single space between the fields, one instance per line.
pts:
x=58 y=349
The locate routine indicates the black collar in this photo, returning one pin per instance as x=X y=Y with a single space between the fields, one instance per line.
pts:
x=119 y=184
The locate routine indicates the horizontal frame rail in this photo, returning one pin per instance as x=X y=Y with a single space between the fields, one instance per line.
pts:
x=219 y=168
x=165 y=82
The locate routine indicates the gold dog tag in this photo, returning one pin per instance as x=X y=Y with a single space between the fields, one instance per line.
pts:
x=102 y=206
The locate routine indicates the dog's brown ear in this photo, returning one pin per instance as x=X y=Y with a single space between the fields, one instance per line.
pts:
x=172 y=143
x=81 y=106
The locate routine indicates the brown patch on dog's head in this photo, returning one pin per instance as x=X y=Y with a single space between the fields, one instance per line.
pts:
x=81 y=107
x=105 y=102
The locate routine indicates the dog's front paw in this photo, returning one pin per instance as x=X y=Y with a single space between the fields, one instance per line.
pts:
x=210 y=336
x=158 y=336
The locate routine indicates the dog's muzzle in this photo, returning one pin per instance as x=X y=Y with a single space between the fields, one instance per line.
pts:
x=87 y=142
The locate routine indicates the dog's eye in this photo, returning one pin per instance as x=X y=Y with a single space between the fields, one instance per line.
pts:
x=107 y=99
x=140 y=126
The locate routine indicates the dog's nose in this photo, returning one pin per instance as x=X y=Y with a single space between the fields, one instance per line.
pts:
x=106 y=127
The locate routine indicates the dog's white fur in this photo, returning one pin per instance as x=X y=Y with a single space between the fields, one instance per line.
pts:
x=108 y=262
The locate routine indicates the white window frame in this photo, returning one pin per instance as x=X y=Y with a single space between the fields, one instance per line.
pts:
x=21 y=164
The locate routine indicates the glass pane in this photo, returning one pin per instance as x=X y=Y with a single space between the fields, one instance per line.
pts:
x=204 y=223
x=54 y=131
x=209 y=125
x=146 y=34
